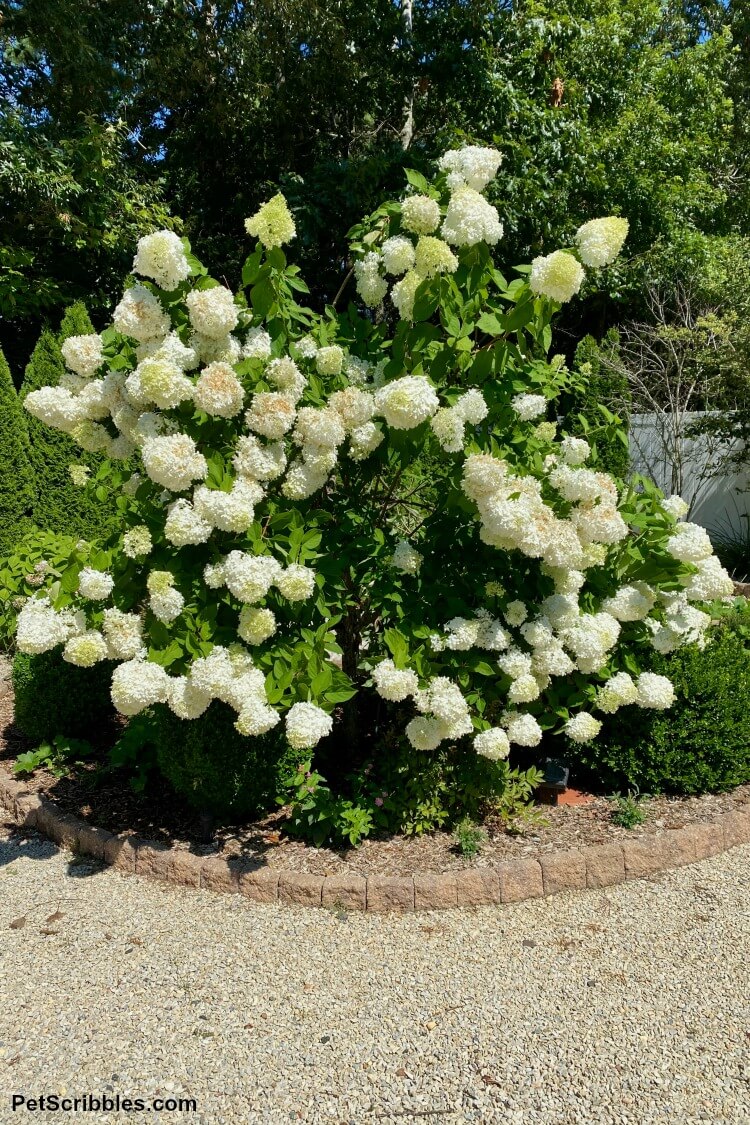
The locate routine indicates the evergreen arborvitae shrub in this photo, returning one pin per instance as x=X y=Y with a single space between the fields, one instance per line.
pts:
x=53 y=697
x=699 y=745
x=218 y=770
x=600 y=386
x=16 y=481
x=60 y=505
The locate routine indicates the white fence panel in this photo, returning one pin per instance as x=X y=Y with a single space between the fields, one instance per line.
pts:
x=719 y=495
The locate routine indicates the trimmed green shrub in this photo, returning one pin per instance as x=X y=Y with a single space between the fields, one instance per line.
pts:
x=218 y=770
x=16 y=482
x=702 y=743
x=599 y=386
x=60 y=505
x=53 y=698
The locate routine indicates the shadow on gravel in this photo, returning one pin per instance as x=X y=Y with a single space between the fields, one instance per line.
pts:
x=25 y=843
x=21 y=843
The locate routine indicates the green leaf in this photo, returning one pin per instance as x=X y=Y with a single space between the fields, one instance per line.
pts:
x=262 y=297
x=417 y=180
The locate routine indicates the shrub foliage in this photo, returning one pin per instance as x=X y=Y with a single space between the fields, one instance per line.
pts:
x=368 y=504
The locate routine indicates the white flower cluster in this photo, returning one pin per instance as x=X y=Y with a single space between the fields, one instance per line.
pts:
x=83 y=354
x=601 y=240
x=449 y=423
x=470 y=166
x=161 y=257
x=558 y=276
x=444 y=714
x=212 y=312
x=405 y=558
x=250 y=577
x=166 y=602
x=470 y=219
x=40 y=627
x=407 y=402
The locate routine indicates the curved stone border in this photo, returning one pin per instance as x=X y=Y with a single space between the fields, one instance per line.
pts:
x=602 y=865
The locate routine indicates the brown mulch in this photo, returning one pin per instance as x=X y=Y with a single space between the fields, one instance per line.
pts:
x=109 y=804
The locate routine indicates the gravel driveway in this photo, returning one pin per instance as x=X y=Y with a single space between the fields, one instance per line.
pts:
x=630 y=1005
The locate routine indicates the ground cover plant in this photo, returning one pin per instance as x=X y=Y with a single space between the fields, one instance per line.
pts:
x=365 y=534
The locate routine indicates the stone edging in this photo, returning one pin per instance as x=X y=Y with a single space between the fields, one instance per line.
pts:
x=601 y=865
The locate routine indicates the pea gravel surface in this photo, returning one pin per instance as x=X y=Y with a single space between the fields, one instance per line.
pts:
x=630 y=1005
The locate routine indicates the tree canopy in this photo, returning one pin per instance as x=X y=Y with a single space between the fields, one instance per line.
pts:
x=122 y=112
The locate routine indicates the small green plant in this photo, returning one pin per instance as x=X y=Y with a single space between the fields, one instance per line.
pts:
x=469 y=837
x=629 y=810
x=320 y=816
x=135 y=752
x=57 y=756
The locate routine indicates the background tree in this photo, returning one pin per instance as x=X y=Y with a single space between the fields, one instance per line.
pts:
x=16 y=483
x=215 y=106
x=60 y=505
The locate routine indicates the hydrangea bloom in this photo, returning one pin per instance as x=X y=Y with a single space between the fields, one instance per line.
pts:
x=95 y=584
x=259 y=462
x=582 y=727
x=619 y=691
x=256 y=624
x=85 y=649
x=404 y=293
x=161 y=257
x=394 y=684
x=493 y=744
x=675 y=506
x=529 y=406
x=123 y=633
x=250 y=577
x=600 y=240
x=655 y=692
x=173 y=461
x=137 y=684
x=184 y=526
x=365 y=440
x=257 y=344
x=420 y=214
x=407 y=402
x=273 y=224
x=83 y=354
x=433 y=256
x=165 y=600
x=329 y=360
x=470 y=219
x=219 y=392
x=558 y=276
x=398 y=254
x=159 y=381
x=690 y=543
x=405 y=558
x=137 y=542
x=471 y=165
x=213 y=312
x=523 y=729
x=448 y=427
x=40 y=628
x=306 y=724
x=140 y=315
x=371 y=285
x=296 y=583
x=55 y=406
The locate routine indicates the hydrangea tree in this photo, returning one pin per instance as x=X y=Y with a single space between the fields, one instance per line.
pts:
x=379 y=500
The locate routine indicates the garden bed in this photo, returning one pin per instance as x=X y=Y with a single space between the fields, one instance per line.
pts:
x=164 y=818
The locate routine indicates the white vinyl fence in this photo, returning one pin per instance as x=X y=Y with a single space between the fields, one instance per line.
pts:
x=696 y=468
